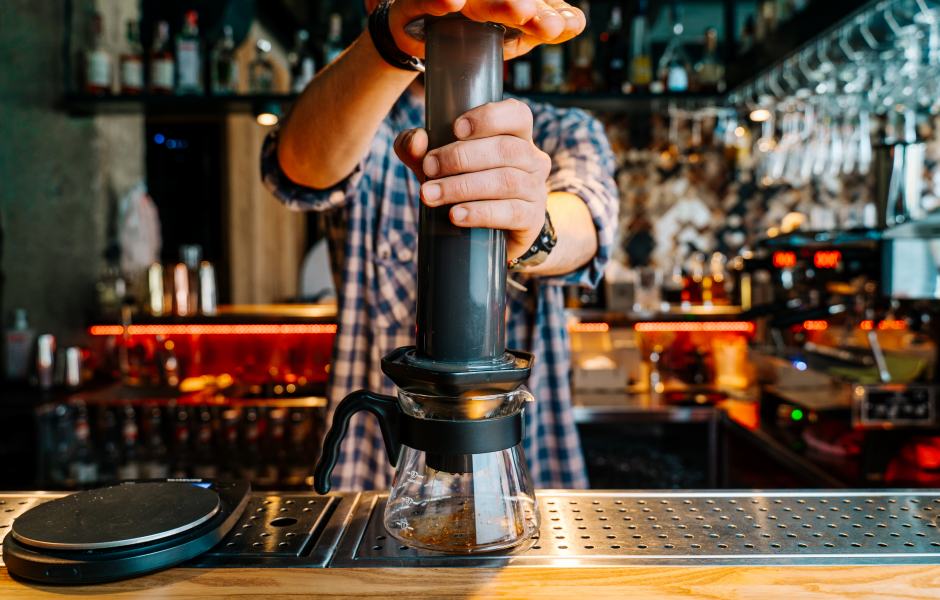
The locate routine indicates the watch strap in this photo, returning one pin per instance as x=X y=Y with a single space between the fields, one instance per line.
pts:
x=541 y=247
x=381 y=34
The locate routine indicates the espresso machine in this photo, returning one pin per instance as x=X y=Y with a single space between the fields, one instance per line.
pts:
x=455 y=430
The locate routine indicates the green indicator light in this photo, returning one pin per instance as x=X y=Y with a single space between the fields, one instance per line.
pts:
x=796 y=415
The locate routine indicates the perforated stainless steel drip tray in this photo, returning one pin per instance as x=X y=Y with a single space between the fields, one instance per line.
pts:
x=721 y=527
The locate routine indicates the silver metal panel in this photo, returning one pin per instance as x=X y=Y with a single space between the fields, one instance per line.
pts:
x=702 y=528
x=13 y=505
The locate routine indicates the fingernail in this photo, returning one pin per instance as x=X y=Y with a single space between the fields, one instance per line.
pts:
x=458 y=213
x=463 y=128
x=567 y=14
x=431 y=191
x=431 y=166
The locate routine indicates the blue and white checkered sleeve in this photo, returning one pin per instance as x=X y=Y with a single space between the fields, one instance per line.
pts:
x=299 y=197
x=583 y=165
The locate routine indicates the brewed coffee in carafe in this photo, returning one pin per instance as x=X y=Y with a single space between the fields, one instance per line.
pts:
x=463 y=502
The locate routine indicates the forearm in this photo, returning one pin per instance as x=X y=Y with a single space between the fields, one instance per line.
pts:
x=333 y=122
x=575 y=232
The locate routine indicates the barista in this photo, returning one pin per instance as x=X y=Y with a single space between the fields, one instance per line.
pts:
x=542 y=174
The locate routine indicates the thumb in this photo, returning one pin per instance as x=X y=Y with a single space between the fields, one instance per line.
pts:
x=411 y=146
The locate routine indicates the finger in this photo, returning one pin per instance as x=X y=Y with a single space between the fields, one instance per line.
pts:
x=411 y=146
x=511 y=215
x=508 y=117
x=494 y=184
x=419 y=8
x=507 y=12
x=546 y=25
x=488 y=153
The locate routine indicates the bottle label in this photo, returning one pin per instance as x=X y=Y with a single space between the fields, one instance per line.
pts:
x=132 y=75
x=304 y=74
x=187 y=58
x=677 y=80
x=161 y=74
x=522 y=75
x=98 y=69
x=552 y=68
x=641 y=70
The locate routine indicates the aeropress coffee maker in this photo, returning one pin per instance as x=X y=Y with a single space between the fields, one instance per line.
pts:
x=455 y=431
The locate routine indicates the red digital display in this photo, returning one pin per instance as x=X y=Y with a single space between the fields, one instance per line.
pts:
x=827 y=259
x=784 y=260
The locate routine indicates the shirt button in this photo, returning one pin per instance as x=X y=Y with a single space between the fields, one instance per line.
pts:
x=383 y=251
x=405 y=255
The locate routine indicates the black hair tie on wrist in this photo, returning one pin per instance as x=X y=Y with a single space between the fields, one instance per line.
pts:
x=384 y=43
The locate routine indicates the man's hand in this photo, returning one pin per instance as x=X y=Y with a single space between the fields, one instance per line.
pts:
x=540 y=21
x=494 y=175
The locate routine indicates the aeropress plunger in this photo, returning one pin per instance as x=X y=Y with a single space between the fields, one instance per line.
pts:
x=455 y=431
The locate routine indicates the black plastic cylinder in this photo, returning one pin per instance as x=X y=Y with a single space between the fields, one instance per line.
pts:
x=461 y=298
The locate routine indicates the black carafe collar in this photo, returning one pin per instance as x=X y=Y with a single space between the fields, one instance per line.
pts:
x=448 y=444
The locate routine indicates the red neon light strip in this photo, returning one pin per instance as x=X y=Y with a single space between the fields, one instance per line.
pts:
x=696 y=327
x=589 y=327
x=886 y=325
x=254 y=329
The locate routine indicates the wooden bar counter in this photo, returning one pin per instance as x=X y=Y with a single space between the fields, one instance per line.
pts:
x=881 y=582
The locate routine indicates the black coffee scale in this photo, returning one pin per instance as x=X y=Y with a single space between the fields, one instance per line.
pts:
x=122 y=531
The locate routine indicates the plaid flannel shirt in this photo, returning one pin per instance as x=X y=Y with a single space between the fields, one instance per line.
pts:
x=373 y=217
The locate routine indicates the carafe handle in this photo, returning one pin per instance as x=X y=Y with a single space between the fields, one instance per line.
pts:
x=386 y=411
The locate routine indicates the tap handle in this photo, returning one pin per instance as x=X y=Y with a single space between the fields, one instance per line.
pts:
x=386 y=411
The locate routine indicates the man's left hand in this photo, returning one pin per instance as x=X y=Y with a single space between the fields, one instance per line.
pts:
x=494 y=176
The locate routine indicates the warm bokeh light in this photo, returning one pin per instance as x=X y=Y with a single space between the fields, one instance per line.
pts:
x=695 y=327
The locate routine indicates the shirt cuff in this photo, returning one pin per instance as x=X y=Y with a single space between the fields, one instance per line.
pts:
x=300 y=197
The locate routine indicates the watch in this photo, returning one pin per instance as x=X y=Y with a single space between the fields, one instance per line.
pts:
x=539 y=250
x=384 y=43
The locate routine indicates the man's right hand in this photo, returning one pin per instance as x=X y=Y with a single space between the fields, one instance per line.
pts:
x=540 y=21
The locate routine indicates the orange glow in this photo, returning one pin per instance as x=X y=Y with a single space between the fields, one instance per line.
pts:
x=783 y=260
x=589 y=327
x=253 y=329
x=696 y=327
x=827 y=259
x=815 y=325
x=886 y=325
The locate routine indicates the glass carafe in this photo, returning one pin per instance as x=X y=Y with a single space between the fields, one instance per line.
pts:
x=461 y=483
x=462 y=502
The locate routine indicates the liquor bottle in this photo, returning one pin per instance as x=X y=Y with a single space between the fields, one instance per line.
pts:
x=334 y=39
x=748 y=35
x=189 y=56
x=275 y=453
x=132 y=62
x=641 y=61
x=520 y=73
x=162 y=64
x=261 y=69
x=251 y=445
x=224 y=66
x=553 y=68
x=97 y=60
x=110 y=436
x=674 y=65
x=182 y=450
x=205 y=466
x=19 y=347
x=614 y=47
x=581 y=77
x=129 y=469
x=156 y=463
x=299 y=460
x=710 y=71
x=301 y=61
x=231 y=464
x=83 y=467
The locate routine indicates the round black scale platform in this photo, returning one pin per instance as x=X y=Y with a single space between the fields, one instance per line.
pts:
x=117 y=516
x=122 y=531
